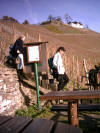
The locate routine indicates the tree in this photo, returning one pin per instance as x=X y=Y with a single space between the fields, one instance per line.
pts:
x=50 y=18
x=58 y=18
x=68 y=18
x=26 y=22
x=5 y=18
x=10 y=19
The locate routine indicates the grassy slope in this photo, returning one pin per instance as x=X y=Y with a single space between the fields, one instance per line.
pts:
x=80 y=42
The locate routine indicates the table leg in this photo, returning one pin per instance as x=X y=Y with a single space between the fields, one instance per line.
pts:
x=73 y=112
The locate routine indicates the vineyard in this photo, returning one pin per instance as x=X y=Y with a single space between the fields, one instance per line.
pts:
x=80 y=44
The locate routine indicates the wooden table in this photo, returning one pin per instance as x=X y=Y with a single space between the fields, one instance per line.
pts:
x=72 y=97
x=28 y=125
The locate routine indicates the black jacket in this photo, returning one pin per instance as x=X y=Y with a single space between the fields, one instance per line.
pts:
x=18 y=45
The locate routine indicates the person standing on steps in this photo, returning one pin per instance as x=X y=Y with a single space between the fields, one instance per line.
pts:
x=18 y=51
x=61 y=76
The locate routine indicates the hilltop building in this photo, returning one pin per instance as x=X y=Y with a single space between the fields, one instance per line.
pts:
x=76 y=24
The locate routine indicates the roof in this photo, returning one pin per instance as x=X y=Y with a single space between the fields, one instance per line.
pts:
x=75 y=22
x=34 y=43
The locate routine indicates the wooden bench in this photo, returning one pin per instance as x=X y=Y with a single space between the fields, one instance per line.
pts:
x=29 y=125
x=81 y=107
x=73 y=98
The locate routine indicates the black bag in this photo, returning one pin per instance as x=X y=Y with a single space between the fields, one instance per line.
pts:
x=92 y=76
x=50 y=62
x=12 y=51
x=53 y=70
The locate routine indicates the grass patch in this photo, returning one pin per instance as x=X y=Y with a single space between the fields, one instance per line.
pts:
x=63 y=29
x=54 y=29
x=32 y=111
x=71 y=30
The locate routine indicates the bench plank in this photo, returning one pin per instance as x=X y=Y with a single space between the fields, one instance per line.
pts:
x=4 y=119
x=15 y=125
x=39 y=126
x=66 y=128
x=81 y=107
x=70 y=95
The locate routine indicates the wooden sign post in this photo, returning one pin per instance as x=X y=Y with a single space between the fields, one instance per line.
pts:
x=33 y=54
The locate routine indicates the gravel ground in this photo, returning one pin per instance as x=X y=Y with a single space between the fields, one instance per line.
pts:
x=89 y=122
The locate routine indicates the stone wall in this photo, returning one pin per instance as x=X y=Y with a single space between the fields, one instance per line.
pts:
x=10 y=96
x=15 y=93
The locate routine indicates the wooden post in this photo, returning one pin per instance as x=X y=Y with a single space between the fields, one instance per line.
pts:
x=73 y=112
x=0 y=29
x=39 y=38
x=73 y=66
x=77 y=74
x=85 y=69
x=37 y=84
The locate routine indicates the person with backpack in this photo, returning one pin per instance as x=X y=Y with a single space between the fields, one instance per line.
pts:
x=61 y=76
x=18 y=53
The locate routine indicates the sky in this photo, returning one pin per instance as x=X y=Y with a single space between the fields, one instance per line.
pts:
x=36 y=11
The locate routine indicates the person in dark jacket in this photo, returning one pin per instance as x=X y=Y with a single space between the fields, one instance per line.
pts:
x=18 y=53
x=18 y=46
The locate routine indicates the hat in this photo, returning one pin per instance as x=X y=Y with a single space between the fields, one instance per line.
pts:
x=62 y=48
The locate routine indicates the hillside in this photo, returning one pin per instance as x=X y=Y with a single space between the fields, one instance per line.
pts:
x=79 y=44
x=82 y=43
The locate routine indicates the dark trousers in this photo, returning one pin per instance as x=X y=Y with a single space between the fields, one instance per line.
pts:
x=63 y=80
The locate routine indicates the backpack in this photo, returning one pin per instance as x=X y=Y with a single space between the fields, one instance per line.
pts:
x=53 y=70
x=50 y=63
x=92 y=76
x=12 y=51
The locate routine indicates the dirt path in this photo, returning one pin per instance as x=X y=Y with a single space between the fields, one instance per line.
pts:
x=89 y=122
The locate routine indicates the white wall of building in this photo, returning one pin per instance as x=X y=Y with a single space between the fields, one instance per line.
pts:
x=76 y=25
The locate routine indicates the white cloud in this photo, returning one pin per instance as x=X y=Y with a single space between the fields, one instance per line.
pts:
x=33 y=17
